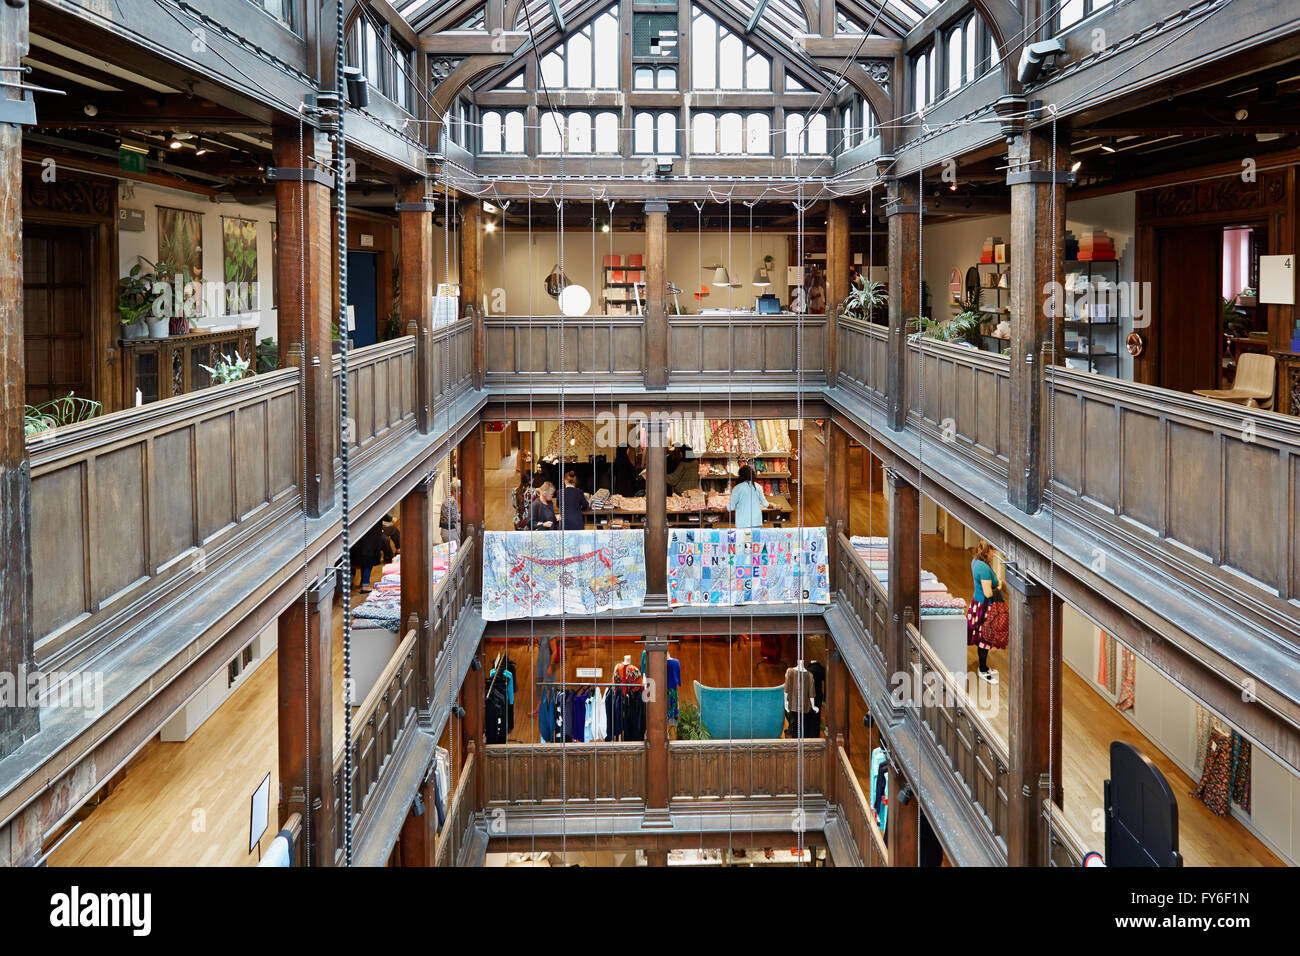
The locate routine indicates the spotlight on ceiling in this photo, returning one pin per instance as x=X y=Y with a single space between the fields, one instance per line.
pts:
x=490 y=226
x=1034 y=59
x=1078 y=164
x=604 y=227
x=1108 y=147
x=200 y=149
x=357 y=89
x=1241 y=114
x=90 y=109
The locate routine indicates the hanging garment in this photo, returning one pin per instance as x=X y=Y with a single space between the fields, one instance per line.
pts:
x=1205 y=724
x=1124 y=700
x=1240 y=771
x=599 y=729
x=1215 y=788
x=634 y=719
x=674 y=682
x=546 y=715
x=577 y=717
x=496 y=715
x=800 y=690
x=818 y=672
x=769 y=648
x=1106 y=663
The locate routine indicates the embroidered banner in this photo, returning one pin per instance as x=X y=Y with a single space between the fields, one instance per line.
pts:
x=525 y=573
x=728 y=566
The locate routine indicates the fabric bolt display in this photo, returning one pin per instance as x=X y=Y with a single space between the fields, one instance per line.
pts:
x=735 y=566
x=1240 y=775
x=1215 y=788
x=1125 y=697
x=576 y=572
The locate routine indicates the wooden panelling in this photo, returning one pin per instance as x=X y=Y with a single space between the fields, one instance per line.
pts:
x=381 y=393
x=753 y=769
x=1213 y=479
x=864 y=593
x=121 y=503
x=457 y=830
x=599 y=345
x=711 y=347
x=858 y=815
x=862 y=355
x=520 y=774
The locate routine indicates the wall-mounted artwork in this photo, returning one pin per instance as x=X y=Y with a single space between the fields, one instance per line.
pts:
x=239 y=262
x=180 y=256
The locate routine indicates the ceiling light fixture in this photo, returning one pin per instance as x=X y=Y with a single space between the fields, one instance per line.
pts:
x=173 y=141
x=1078 y=164
x=199 y=148
x=1242 y=114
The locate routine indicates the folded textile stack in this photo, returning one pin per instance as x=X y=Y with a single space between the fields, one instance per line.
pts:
x=600 y=500
x=718 y=500
x=675 y=503
x=694 y=499
x=1096 y=246
x=774 y=434
x=634 y=504
x=935 y=599
x=780 y=502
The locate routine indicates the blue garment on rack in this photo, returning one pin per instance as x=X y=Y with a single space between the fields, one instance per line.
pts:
x=546 y=715
x=510 y=684
x=879 y=780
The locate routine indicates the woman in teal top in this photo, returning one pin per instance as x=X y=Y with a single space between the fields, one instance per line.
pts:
x=747 y=500
x=985 y=584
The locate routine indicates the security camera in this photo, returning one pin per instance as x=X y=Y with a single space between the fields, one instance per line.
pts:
x=1034 y=57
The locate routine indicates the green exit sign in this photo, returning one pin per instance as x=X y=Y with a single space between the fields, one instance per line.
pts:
x=132 y=161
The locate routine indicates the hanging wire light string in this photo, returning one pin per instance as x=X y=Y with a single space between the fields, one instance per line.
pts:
x=920 y=460
x=1051 y=493
x=341 y=242
x=302 y=485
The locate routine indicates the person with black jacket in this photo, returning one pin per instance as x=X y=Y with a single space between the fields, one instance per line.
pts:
x=367 y=553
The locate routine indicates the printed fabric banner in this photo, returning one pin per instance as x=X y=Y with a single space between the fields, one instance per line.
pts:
x=526 y=574
x=728 y=567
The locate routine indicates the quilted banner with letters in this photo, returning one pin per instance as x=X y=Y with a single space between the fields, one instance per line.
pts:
x=722 y=567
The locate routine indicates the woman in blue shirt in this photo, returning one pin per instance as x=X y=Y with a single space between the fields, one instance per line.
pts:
x=747 y=500
x=982 y=620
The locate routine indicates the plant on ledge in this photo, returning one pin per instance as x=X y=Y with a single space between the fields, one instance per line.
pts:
x=55 y=414
x=923 y=327
x=228 y=370
x=967 y=325
x=135 y=294
x=863 y=299
x=689 y=724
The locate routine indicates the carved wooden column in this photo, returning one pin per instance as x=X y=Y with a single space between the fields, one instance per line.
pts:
x=307 y=294
x=903 y=212
x=656 y=735
x=1034 y=721
x=904 y=583
x=471 y=254
x=1034 y=242
x=415 y=223
x=835 y=473
x=472 y=505
x=839 y=259
x=16 y=640
x=305 y=664
x=418 y=838
x=655 y=334
x=656 y=515
x=417 y=589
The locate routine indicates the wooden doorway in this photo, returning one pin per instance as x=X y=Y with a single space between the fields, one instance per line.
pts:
x=1187 y=332
x=59 y=310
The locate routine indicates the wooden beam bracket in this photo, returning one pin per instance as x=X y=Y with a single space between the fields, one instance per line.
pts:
x=424 y=206
x=1061 y=177
x=294 y=174
x=911 y=210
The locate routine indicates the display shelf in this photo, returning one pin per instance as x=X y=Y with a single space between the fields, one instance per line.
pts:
x=1086 y=269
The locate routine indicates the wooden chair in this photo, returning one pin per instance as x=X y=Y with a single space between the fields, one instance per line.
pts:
x=1254 y=384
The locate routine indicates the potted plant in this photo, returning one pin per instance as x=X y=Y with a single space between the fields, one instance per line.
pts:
x=863 y=299
x=968 y=324
x=55 y=414
x=135 y=298
x=228 y=370
x=689 y=724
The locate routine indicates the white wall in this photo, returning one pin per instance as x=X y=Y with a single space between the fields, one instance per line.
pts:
x=1166 y=715
x=148 y=198
x=521 y=276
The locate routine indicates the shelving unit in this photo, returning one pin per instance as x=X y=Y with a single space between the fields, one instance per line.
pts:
x=619 y=297
x=999 y=307
x=1082 y=271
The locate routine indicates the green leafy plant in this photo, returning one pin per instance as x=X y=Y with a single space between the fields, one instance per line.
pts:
x=928 y=328
x=689 y=724
x=863 y=299
x=228 y=370
x=393 y=327
x=55 y=414
x=1235 y=321
x=268 y=355
x=135 y=295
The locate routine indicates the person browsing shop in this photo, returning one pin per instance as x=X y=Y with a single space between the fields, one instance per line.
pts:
x=683 y=475
x=572 y=500
x=987 y=621
x=747 y=500
x=542 y=516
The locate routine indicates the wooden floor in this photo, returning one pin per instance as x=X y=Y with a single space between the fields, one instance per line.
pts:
x=187 y=804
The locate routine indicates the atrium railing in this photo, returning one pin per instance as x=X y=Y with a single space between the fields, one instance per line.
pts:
x=451 y=597
x=381 y=395
x=864 y=592
x=746 y=351
x=130 y=507
x=541 y=775
x=858 y=815
x=378 y=725
x=977 y=757
x=453 y=360
x=523 y=351
x=1063 y=846
x=963 y=400
x=1188 y=475
x=458 y=824
x=701 y=771
x=863 y=356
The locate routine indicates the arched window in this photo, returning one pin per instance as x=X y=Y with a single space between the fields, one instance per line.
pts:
x=606 y=139
x=704 y=129
x=805 y=136
x=588 y=59
x=606 y=49
x=551 y=139
x=704 y=51
x=758 y=134
x=655 y=133
x=643 y=134
x=667 y=124
x=731 y=139
x=721 y=60
x=491 y=132
x=514 y=131
x=579 y=133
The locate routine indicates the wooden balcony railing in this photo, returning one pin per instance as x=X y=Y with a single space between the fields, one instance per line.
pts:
x=963 y=400
x=381 y=395
x=1195 y=477
x=708 y=770
x=977 y=757
x=129 y=507
x=704 y=349
x=453 y=361
x=1063 y=846
x=534 y=775
x=458 y=824
x=858 y=815
x=864 y=593
x=377 y=724
x=863 y=355
x=521 y=350
x=450 y=599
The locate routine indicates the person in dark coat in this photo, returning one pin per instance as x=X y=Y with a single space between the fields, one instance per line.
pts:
x=366 y=553
x=625 y=472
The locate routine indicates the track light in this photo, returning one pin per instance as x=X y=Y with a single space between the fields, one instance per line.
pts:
x=1078 y=164
x=200 y=149
x=490 y=226
x=90 y=109
x=357 y=89
x=458 y=711
x=1107 y=148
x=173 y=141
x=1242 y=114
x=604 y=227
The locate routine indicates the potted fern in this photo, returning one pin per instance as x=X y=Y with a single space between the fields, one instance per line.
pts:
x=968 y=324
x=135 y=299
x=863 y=299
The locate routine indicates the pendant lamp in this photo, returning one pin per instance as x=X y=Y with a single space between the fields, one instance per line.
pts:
x=574 y=300
x=720 y=277
x=555 y=282
x=762 y=279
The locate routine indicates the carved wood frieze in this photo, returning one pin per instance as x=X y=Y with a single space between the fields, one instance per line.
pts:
x=69 y=195
x=1230 y=194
